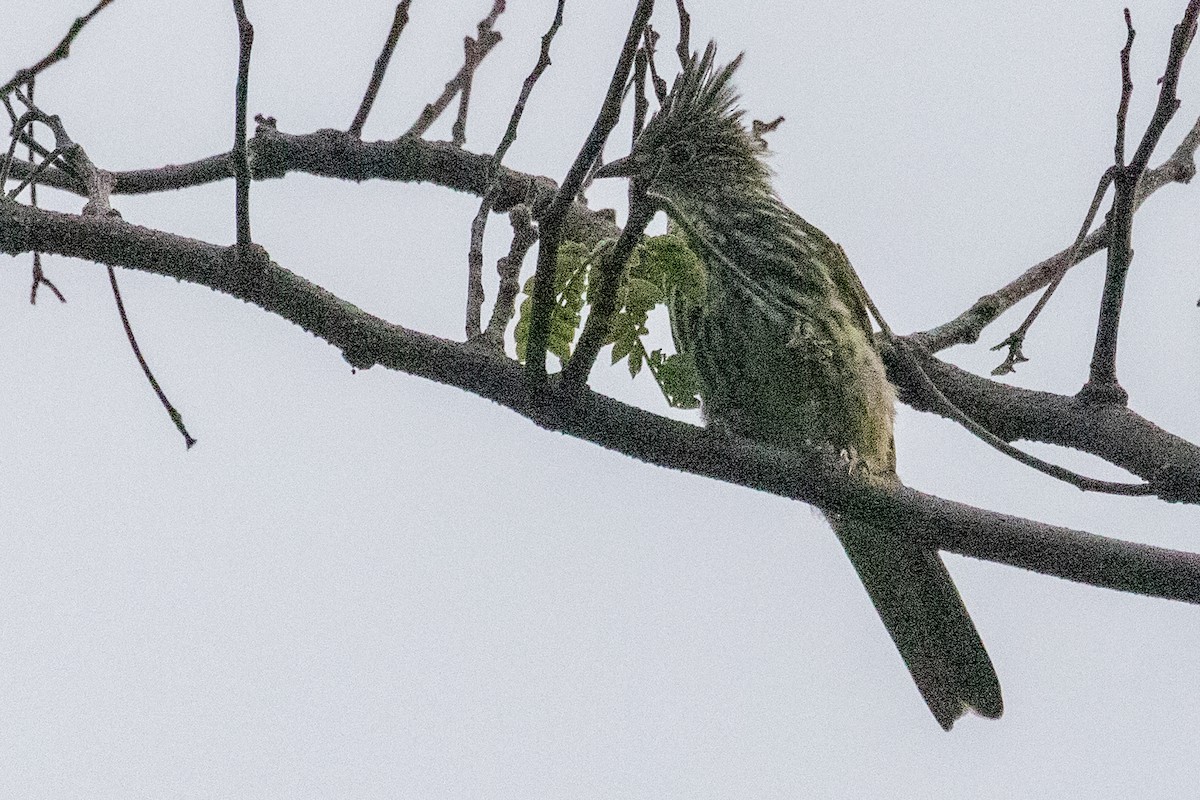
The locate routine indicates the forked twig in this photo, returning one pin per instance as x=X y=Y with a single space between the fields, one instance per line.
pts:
x=474 y=51
x=1016 y=339
x=1102 y=384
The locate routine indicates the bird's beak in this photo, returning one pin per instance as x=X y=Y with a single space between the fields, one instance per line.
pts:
x=621 y=168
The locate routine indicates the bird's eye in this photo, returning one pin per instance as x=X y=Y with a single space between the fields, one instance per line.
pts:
x=682 y=153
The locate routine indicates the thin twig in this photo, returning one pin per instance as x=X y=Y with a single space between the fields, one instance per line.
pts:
x=40 y=279
x=1102 y=384
x=38 y=276
x=1126 y=92
x=1016 y=339
x=551 y=222
x=381 y=64
x=947 y=408
x=649 y=45
x=509 y=269
x=176 y=417
x=475 y=296
x=510 y=133
x=641 y=106
x=60 y=51
x=684 y=48
x=99 y=188
x=31 y=179
x=475 y=50
x=241 y=155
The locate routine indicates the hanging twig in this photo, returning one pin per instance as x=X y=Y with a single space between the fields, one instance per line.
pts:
x=176 y=417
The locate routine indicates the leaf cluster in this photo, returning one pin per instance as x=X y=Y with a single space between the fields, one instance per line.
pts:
x=663 y=270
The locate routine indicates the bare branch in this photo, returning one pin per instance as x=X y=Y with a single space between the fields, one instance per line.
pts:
x=1122 y=437
x=509 y=268
x=1126 y=92
x=684 y=48
x=475 y=256
x=381 y=64
x=475 y=296
x=1016 y=339
x=39 y=279
x=38 y=276
x=1115 y=434
x=942 y=405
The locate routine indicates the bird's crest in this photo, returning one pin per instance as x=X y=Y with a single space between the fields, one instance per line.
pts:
x=697 y=136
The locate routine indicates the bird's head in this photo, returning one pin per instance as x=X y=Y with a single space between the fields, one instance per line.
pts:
x=695 y=148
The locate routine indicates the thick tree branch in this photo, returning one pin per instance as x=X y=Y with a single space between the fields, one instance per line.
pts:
x=813 y=477
x=1136 y=444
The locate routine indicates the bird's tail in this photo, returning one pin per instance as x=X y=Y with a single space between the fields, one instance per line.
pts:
x=922 y=610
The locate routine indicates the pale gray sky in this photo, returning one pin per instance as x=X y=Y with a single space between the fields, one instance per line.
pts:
x=372 y=586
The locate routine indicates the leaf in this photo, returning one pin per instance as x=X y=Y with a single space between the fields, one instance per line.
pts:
x=679 y=381
x=642 y=295
x=682 y=269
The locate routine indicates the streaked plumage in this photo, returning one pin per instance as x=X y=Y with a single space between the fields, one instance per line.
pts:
x=784 y=353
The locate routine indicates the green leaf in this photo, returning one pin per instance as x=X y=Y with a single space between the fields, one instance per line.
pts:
x=622 y=347
x=637 y=357
x=642 y=295
x=682 y=269
x=679 y=381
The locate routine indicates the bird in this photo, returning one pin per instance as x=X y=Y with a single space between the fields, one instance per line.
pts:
x=785 y=355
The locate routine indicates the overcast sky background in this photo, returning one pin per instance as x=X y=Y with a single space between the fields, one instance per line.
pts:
x=373 y=586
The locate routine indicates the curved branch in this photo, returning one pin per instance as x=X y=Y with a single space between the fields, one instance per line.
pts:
x=1119 y=436
x=1122 y=437
x=813 y=477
